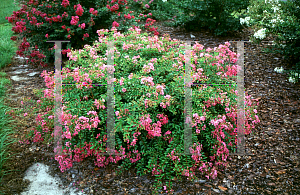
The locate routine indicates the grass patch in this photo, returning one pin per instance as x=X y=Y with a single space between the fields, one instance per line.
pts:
x=7 y=7
x=8 y=49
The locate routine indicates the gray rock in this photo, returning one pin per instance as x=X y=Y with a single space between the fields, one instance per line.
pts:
x=132 y=190
x=200 y=181
x=216 y=190
x=32 y=74
x=17 y=78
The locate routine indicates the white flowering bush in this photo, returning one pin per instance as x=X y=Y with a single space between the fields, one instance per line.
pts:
x=261 y=34
x=245 y=21
x=292 y=79
x=281 y=21
x=279 y=70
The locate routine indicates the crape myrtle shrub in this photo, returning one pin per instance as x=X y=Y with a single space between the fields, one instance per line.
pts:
x=39 y=21
x=149 y=101
x=214 y=15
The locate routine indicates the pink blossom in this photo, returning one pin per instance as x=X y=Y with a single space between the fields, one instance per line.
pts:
x=74 y=20
x=65 y=3
x=79 y=10
x=115 y=24
x=82 y=26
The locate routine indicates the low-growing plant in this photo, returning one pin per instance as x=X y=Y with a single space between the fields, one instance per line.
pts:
x=149 y=103
x=39 y=21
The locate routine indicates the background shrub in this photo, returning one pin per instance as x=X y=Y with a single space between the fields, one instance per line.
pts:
x=215 y=15
x=281 y=19
x=290 y=32
x=39 y=21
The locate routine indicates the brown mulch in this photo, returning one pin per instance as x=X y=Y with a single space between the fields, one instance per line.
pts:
x=271 y=165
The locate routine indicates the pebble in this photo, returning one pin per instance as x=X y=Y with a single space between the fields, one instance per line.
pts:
x=132 y=190
x=216 y=190
x=200 y=181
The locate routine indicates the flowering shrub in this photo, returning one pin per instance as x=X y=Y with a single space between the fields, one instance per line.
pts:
x=211 y=14
x=39 y=21
x=149 y=102
x=281 y=20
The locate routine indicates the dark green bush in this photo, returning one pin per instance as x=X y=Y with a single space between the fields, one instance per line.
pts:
x=215 y=15
x=290 y=32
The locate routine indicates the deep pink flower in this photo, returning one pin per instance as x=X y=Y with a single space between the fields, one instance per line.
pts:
x=65 y=3
x=65 y=14
x=82 y=26
x=74 y=20
x=47 y=36
x=115 y=24
x=79 y=10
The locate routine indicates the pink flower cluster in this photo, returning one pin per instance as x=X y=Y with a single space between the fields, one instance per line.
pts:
x=128 y=16
x=75 y=20
x=57 y=19
x=93 y=11
x=65 y=3
x=79 y=10
x=115 y=24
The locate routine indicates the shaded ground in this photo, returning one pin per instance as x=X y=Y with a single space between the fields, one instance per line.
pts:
x=271 y=168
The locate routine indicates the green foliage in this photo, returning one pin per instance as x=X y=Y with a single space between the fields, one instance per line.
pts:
x=7 y=7
x=134 y=122
x=290 y=33
x=7 y=46
x=215 y=15
x=281 y=19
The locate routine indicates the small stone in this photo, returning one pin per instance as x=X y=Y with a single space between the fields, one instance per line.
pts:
x=146 y=181
x=216 y=190
x=32 y=74
x=132 y=190
x=200 y=181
